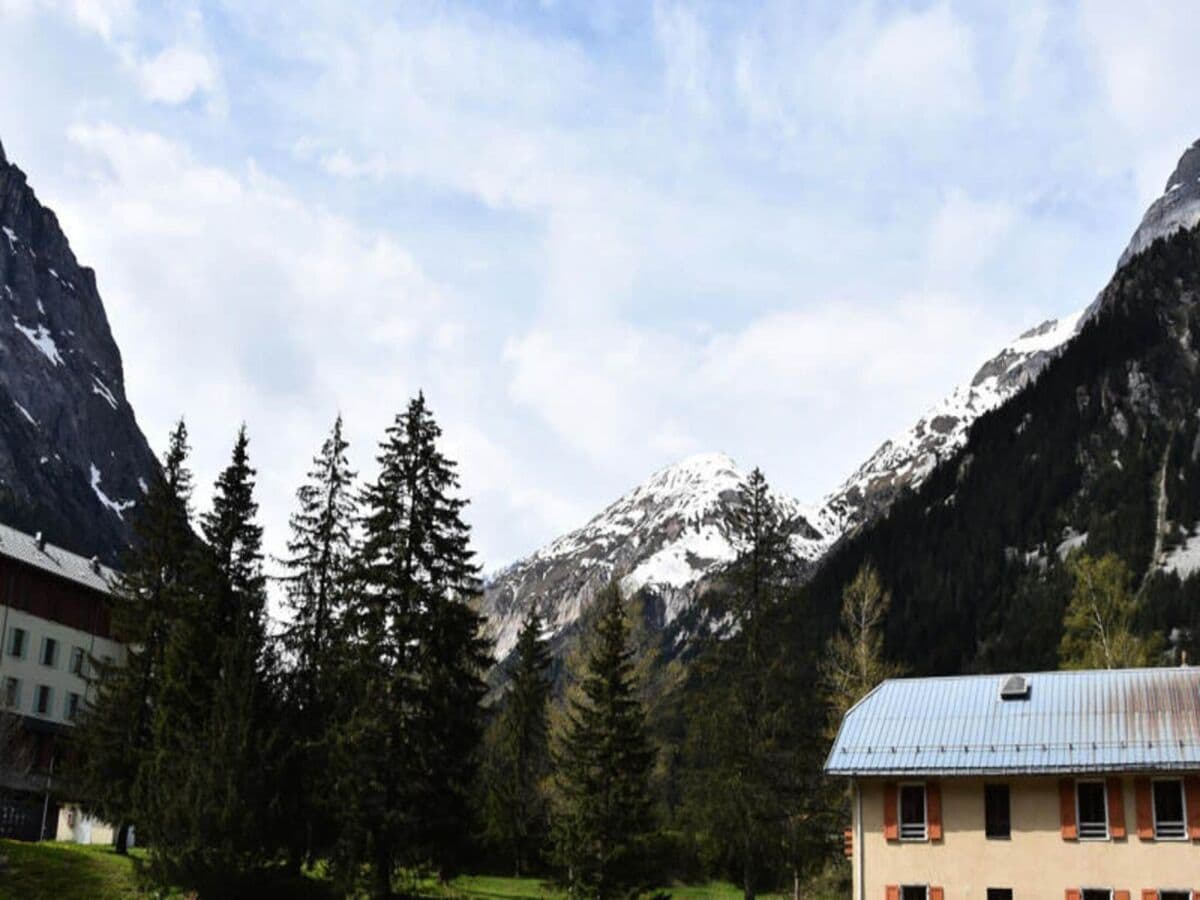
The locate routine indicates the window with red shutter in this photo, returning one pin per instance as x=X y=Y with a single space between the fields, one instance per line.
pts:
x=891 y=821
x=1116 y=812
x=933 y=802
x=1191 y=789
x=1066 y=813
x=1145 y=810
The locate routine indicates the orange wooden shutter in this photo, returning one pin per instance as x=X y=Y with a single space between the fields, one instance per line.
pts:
x=933 y=804
x=1066 y=813
x=1116 y=810
x=893 y=892
x=1073 y=894
x=936 y=893
x=1121 y=895
x=1191 y=787
x=1149 y=894
x=1145 y=811
x=891 y=825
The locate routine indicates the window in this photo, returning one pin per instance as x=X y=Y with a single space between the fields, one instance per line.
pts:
x=914 y=892
x=1174 y=895
x=1097 y=894
x=41 y=704
x=71 y=707
x=1170 y=824
x=49 y=652
x=912 y=813
x=12 y=693
x=17 y=639
x=77 y=661
x=1092 y=805
x=999 y=894
x=997 y=820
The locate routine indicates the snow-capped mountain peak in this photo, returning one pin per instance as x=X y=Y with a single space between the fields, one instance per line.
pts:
x=665 y=535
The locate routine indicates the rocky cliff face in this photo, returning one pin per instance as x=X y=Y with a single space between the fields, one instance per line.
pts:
x=1178 y=207
x=73 y=461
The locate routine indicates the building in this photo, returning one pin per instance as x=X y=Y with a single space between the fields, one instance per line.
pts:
x=54 y=621
x=1082 y=785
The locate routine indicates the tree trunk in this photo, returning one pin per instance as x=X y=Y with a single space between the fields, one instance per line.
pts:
x=795 y=883
x=747 y=875
x=123 y=839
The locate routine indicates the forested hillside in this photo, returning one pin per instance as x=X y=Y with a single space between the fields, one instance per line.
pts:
x=1103 y=452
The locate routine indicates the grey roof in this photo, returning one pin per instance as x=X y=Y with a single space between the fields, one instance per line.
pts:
x=24 y=548
x=1077 y=721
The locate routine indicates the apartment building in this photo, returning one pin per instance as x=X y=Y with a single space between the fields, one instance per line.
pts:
x=1083 y=785
x=54 y=621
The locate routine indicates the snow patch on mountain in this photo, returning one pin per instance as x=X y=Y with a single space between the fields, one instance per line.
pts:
x=117 y=506
x=40 y=337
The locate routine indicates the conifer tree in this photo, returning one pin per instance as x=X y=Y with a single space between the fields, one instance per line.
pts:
x=516 y=803
x=320 y=553
x=408 y=744
x=114 y=733
x=215 y=725
x=750 y=756
x=603 y=759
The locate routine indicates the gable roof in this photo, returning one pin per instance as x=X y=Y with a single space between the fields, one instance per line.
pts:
x=1077 y=721
x=24 y=548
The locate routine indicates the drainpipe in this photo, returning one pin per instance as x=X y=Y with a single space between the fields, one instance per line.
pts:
x=859 y=850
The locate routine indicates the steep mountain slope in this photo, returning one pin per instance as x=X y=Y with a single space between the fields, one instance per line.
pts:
x=72 y=458
x=1100 y=454
x=907 y=459
x=1177 y=208
x=664 y=536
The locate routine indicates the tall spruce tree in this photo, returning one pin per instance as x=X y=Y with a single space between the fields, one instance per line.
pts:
x=408 y=742
x=215 y=726
x=748 y=748
x=320 y=553
x=115 y=730
x=517 y=815
x=603 y=759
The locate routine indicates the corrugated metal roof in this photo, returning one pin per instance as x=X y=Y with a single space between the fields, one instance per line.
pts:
x=1078 y=721
x=24 y=547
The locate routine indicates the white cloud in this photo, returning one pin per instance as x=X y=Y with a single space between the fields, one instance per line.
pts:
x=177 y=74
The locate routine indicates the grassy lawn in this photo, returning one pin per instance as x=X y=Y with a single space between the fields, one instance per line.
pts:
x=489 y=887
x=52 y=871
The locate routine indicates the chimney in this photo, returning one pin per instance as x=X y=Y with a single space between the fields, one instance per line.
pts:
x=40 y=540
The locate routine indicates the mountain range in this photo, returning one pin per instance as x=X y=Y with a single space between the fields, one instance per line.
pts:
x=73 y=461
x=665 y=538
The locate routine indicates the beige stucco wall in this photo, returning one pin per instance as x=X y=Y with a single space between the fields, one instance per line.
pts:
x=1035 y=862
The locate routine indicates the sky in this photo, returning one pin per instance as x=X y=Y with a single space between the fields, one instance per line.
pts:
x=599 y=236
